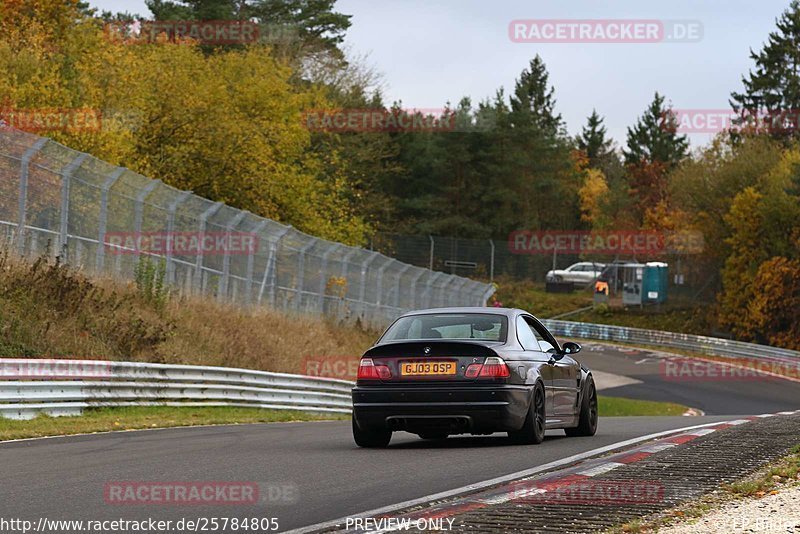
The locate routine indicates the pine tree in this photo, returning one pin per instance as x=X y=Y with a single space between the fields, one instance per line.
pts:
x=533 y=104
x=592 y=140
x=654 y=137
x=773 y=90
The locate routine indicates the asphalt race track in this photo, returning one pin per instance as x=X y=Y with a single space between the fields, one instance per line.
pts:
x=315 y=470
x=715 y=396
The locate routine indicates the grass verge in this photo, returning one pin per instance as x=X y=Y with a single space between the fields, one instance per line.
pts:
x=619 y=407
x=141 y=417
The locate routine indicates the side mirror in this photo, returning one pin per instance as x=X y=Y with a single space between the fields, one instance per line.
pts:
x=570 y=347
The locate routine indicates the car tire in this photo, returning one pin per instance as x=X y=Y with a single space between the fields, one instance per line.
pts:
x=433 y=435
x=371 y=439
x=558 y=279
x=587 y=421
x=532 y=431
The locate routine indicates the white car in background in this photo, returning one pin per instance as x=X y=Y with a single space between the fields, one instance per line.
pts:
x=583 y=273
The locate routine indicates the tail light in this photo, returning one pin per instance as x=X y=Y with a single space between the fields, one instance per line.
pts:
x=492 y=367
x=367 y=370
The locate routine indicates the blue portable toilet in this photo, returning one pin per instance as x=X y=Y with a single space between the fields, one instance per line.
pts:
x=655 y=277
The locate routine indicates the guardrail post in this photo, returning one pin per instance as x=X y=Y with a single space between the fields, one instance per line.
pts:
x=226 y=261
x=172 y=211
x=323 y=275
x=251 y=261
x=66 y=179
x=100 y=258
x=139 y=214
x=23 y=192
x=198 y=265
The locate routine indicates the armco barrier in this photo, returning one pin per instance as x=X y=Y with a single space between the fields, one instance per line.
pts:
x=67 y=387
x=700 y=344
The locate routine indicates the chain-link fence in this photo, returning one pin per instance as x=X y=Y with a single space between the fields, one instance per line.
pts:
x=109 y=221
x=489 y=259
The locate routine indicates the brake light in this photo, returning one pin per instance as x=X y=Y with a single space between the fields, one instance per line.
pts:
x=491 y=368
x=367 y=370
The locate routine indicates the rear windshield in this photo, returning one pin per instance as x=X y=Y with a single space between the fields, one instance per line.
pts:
x=483 y=326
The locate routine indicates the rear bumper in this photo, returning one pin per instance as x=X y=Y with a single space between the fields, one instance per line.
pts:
x=451 y=409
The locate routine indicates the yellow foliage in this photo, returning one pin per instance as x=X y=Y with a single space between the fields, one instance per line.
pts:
x=225 y=125
x=591 y=194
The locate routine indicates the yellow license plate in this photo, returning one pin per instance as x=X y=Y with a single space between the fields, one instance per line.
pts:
x=428 y=368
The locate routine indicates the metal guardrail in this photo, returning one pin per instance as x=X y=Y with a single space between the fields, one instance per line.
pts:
x=701 y=344
x=67 y=387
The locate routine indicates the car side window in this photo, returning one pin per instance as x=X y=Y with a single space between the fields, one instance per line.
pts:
x=545 y=340
x=526 y=336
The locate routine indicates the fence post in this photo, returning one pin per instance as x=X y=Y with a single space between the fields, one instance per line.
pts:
x=172 y=210
x=198 y=266
x=459 y=300
x=362 y=292
x=430 y=264
x=23 y=192
x=415 y=294
x=397 y=283
x=491 y=265
x=66 y=178
x=443 y=288
x=323 y=275
x=488 y=293
x=226 y=261
x=139 y=213
x=251 y=261
x=100 y=259
x=345 y=272
x=270 y=273
x=429 y=288
x=379 y=284
x=301 y=272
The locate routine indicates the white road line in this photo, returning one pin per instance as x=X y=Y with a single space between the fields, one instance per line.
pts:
x=737 y=422
x=495 y=481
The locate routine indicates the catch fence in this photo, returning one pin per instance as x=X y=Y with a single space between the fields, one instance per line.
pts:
x=96 y=217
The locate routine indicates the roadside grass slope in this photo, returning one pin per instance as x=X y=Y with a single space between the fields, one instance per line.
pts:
x=50 y=311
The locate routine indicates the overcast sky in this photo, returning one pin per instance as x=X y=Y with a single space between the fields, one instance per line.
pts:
x=434 y=51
